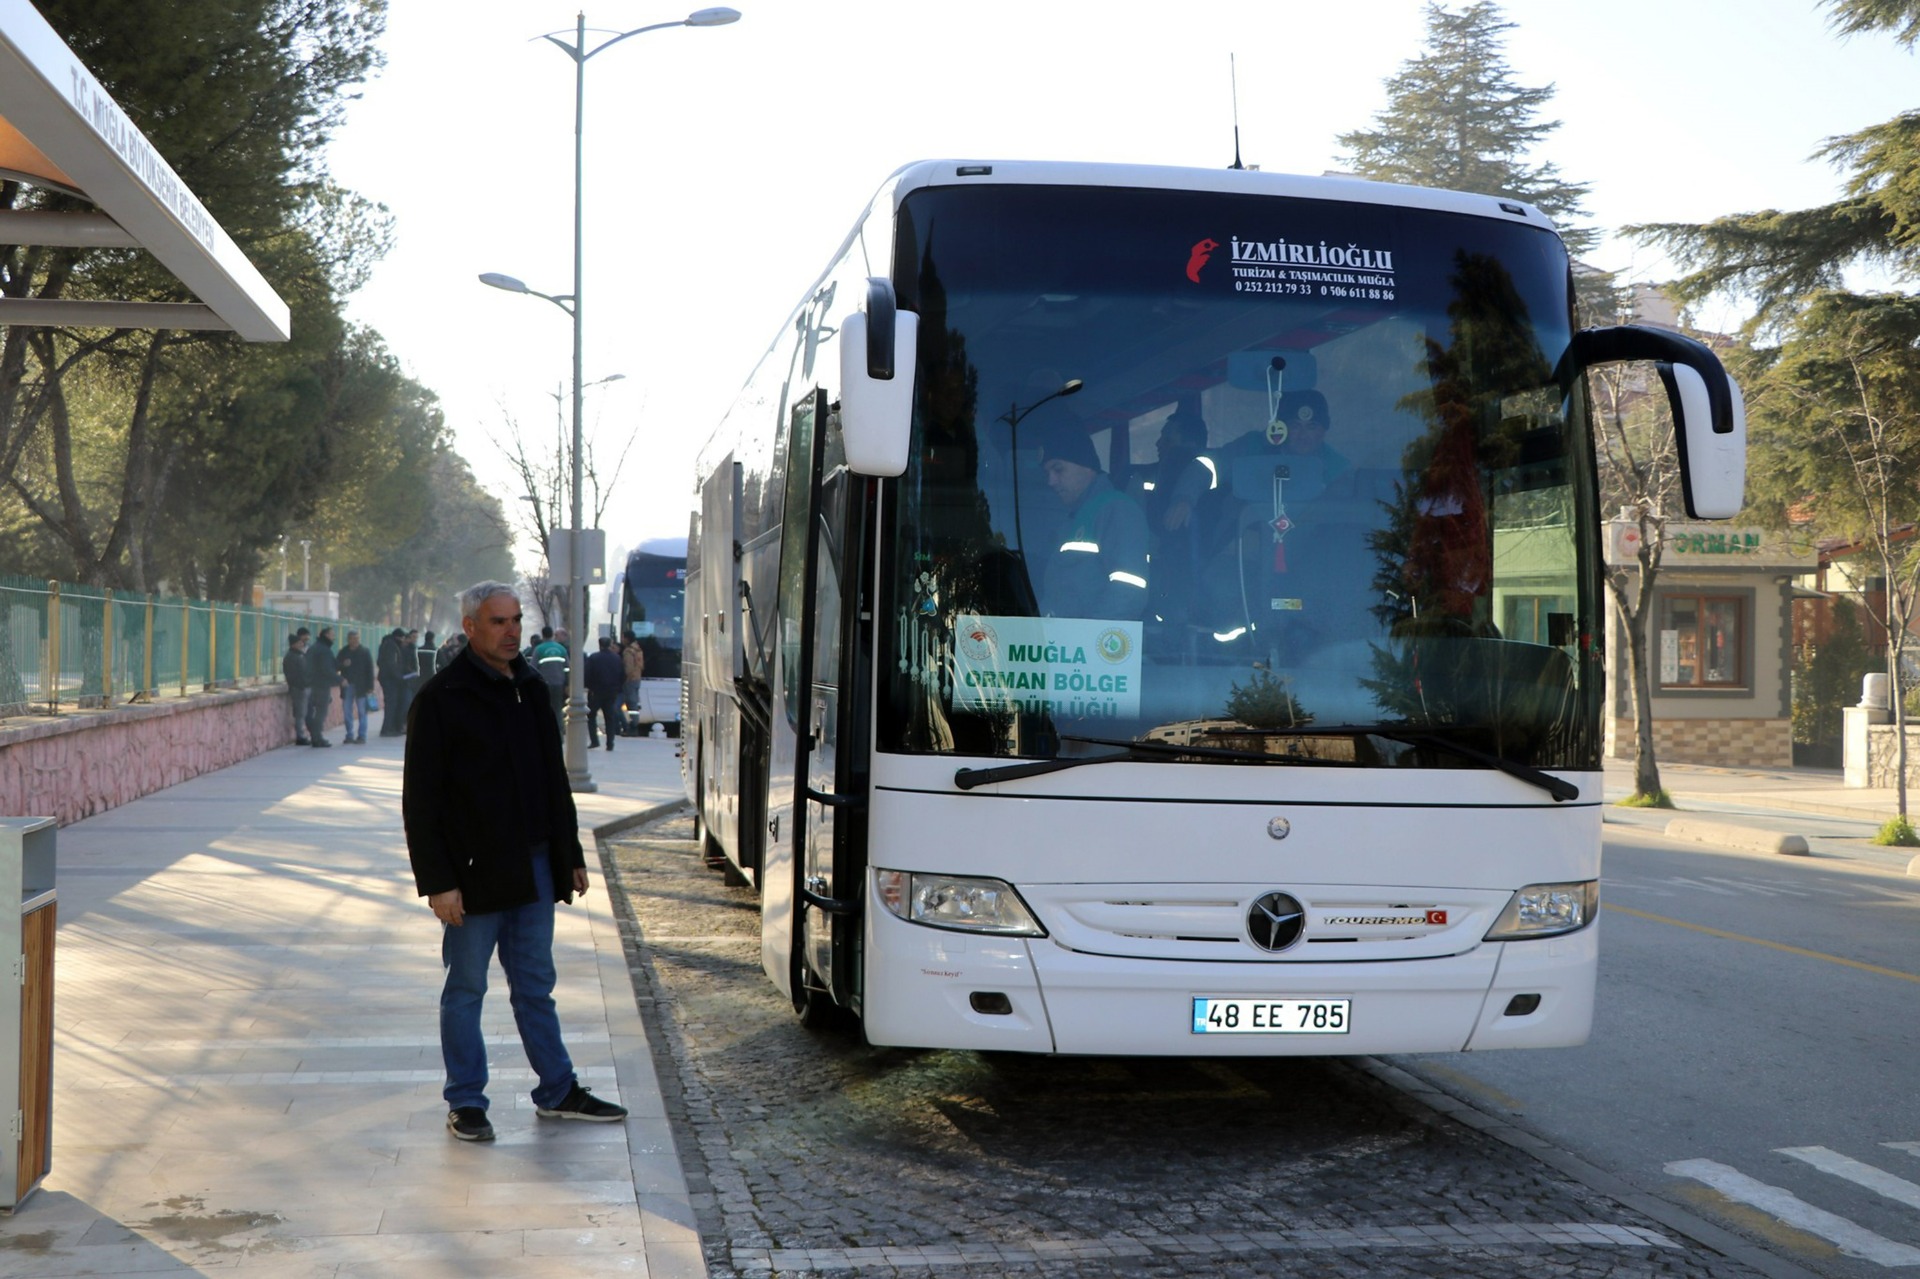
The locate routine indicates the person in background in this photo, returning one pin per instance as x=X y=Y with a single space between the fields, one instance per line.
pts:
x=1100 y=570
x=387 y=665
x=294 y=667
x=494 y=839
x=322 y=678
x=355 y=665
x=633 y=663
x=605 y=678
x=407 y=660
x=550 y=659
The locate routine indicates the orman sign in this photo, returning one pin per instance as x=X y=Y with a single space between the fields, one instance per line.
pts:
x=1686 y=542
x=1706 y=545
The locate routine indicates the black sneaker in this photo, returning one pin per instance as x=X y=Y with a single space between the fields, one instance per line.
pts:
x=581 y=1104
x=469 y=1123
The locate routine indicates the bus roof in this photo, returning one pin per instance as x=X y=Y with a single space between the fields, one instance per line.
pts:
x=667 y=548
x=935 y=173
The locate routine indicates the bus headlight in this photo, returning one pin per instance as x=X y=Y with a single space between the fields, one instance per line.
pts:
x=1547 y=910
x=964 y=902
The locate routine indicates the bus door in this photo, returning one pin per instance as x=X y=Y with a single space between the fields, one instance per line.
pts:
x=830 y=930
x=827 y=888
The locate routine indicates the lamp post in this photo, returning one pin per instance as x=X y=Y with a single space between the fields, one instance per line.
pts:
x=579 y=776
x=1013 y=417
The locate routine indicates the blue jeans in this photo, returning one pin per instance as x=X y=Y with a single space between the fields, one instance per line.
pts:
x=356 y=712
x=524 y=938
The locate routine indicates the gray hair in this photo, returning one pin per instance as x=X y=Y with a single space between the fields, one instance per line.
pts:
x=479 y=593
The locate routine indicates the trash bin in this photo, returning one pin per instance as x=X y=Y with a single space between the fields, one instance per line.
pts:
x=26 y=1004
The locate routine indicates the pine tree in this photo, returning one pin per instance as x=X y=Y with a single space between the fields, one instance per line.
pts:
x=1456 y=118
x=1836 y=398
x=1777 y=259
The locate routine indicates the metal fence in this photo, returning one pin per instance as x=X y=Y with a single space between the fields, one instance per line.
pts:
x=82 y=647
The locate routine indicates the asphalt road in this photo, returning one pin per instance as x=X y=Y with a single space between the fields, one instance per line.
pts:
x=1756 y=1054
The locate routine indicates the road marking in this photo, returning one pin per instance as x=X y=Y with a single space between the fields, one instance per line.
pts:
x=1701 y=885
x=1851 y=1239
x=1770 y=945
x=1911 y=1147
x=1754 y=886
x=996 y=1258
x=1898 y=1189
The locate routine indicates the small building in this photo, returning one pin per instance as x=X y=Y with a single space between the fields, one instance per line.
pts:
x=1720 y=636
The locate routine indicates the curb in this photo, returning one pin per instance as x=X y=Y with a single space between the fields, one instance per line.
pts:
x=1729 y=835
x=670 y=1236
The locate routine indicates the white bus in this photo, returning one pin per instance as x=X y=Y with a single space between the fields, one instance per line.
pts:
x=1157 y=611
x=652 y=610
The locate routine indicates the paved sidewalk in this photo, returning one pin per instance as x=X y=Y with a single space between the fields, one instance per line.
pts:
x=1803 y=790
x=1814 y=803
x=247 y=1068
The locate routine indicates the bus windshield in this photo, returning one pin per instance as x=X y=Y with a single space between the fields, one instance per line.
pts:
x=1245 y=473
x=654 y=603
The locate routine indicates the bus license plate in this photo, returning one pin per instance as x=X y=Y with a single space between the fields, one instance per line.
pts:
x=1242 y=1016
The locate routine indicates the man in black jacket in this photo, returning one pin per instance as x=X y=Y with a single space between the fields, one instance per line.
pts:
x=322 y=678
x=606 y=679
x=294 y=667
x=387 y=666
x=495 y=842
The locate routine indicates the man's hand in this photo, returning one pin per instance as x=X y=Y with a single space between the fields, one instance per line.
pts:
x=448 y=907
x=579 y=885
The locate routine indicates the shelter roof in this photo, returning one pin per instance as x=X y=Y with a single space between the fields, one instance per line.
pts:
x=60 y=129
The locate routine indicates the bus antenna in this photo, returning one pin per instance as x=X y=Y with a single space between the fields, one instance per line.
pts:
x=1233 y=78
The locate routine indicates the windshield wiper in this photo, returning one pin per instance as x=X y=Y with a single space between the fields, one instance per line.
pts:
x=968 y=778
x=1560 y=789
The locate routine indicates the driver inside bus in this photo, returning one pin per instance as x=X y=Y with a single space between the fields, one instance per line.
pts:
x=1100 y=570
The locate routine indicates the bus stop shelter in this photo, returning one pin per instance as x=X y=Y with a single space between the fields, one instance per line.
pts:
x=60 y=129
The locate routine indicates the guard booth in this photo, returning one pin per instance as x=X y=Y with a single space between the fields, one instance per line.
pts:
x=1720 y=645
x=61 y=131
x=26 y=1003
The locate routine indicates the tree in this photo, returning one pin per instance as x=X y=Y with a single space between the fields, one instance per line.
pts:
x=1772 y=258
x=1836 y=396
x=1836 y=410
x=1639 y=474
x=543 y=477
x=96 y=426
x=461 y=536
x=1456 y=118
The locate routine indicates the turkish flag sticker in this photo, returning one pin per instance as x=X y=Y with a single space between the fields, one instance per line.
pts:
x=1438 y=918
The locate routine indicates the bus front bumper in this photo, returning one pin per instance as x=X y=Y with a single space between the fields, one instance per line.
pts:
x=942 y=989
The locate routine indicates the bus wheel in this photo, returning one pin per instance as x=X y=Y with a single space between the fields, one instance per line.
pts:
x=816 y=1008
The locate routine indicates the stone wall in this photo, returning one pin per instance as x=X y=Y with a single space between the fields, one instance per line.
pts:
x=73 y=766
x=1742 y=743
x=1882 y=766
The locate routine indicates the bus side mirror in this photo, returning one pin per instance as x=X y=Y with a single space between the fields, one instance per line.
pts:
x=878 y=347
x=1709 y=413
x=1713 y=462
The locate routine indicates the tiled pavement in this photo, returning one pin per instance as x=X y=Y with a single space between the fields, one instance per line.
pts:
x=247 y=1072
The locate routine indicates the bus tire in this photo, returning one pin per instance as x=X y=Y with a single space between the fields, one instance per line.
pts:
x=815 y=1007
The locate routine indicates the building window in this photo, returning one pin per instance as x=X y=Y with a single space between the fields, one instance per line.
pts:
x=1702 y=643
x=1539 y=619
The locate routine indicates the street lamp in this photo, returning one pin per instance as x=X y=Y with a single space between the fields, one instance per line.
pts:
x=1013 y=417
x=579 y=777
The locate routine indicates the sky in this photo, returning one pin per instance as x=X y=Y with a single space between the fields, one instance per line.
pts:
x=723 y=166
